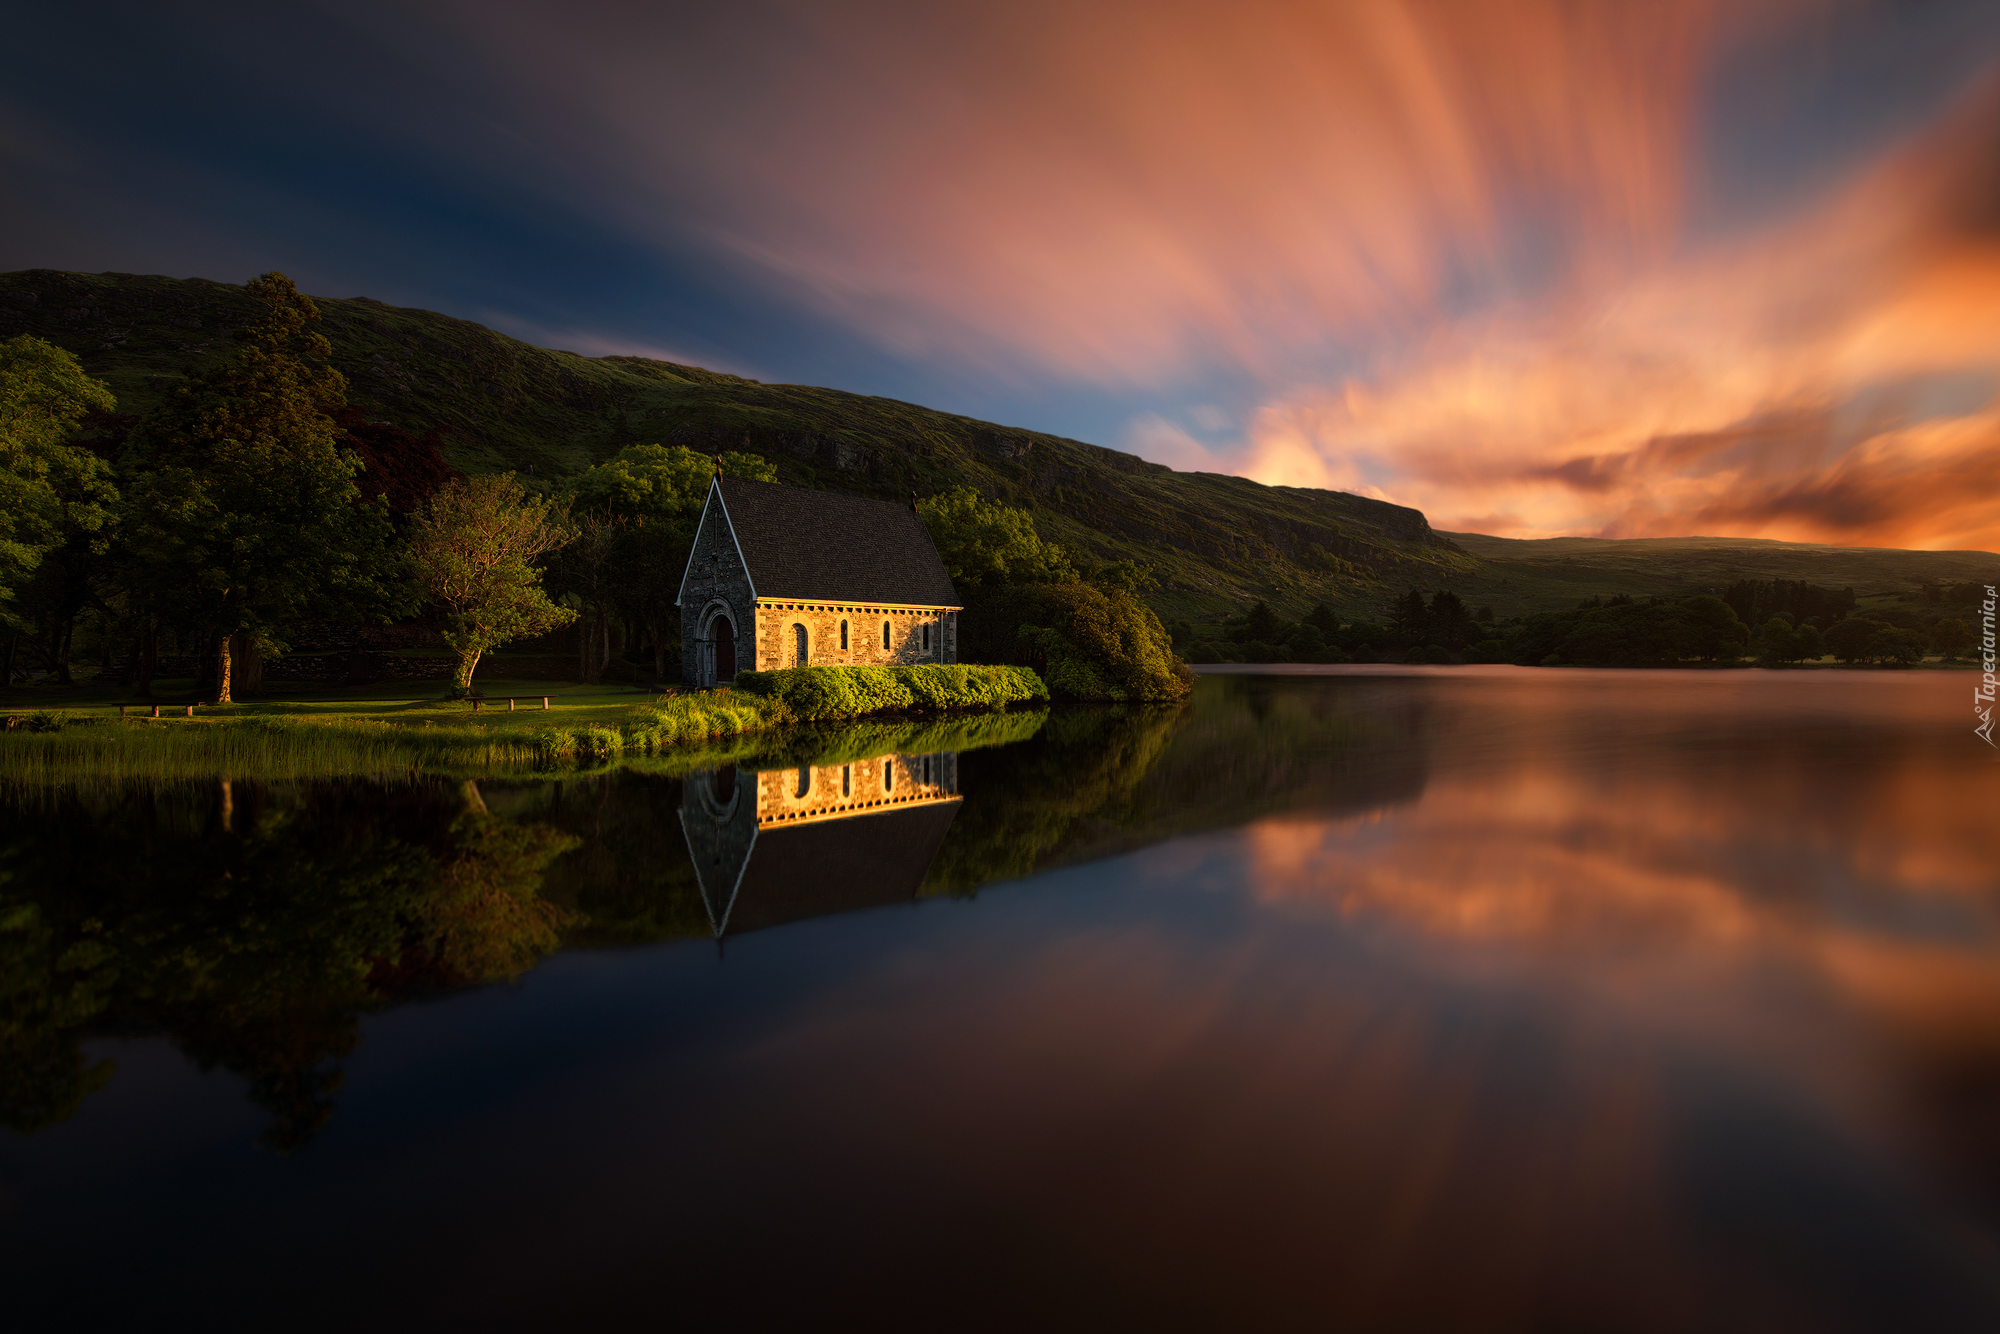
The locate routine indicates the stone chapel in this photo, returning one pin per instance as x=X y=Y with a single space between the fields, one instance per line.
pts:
x=785 y=577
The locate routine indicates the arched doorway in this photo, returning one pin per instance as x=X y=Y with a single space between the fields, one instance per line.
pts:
x=724 y=635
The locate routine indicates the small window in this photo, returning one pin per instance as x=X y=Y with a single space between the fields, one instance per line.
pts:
x=805 y=780
x=843 y=636
x=888 y=775
x=846 y=780
x=885 y=634
x=798 y=645
x=927 y=636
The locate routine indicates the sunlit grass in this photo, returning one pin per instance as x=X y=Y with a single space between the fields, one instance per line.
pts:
x=342 y=736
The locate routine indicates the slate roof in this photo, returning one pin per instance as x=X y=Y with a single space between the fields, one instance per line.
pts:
x=825 y=546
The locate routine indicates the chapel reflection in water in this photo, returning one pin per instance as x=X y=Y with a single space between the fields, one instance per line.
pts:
x=779 y=845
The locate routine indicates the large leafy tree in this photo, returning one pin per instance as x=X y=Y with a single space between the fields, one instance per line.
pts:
x=50 y=491
x=644 y=504
x=1951 y=637
x=246 y=512
x=474 y=545
x=987 y=545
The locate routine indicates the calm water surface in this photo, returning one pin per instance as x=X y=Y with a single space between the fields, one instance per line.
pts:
x=1482 y=999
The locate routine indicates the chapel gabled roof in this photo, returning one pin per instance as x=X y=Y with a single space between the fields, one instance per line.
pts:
x=826 y=546
x=834 y=866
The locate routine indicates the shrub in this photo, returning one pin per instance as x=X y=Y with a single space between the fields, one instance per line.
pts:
x=813 y=693
x=1487 y=650
x=1087 y=642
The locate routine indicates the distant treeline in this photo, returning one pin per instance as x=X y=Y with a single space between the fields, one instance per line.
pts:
x=1770 y=621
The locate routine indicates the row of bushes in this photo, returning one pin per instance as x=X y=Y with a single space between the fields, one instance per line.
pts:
x=811 y=694
x=1598 y=632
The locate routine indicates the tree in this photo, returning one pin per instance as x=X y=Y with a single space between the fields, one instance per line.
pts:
x=1411 y=617
x=473 y=545
x=49 y=490
x=1262 y=624
x=1709 y=629
x=651 y=496
x=588 y=569
x=1890 y=644
x=1776 y=641
x=988 y=545
x=246 y=513
x=1450 y=621
x=404 y=468
x=1848 y=640
x=1087 y=642
x=1951 y=638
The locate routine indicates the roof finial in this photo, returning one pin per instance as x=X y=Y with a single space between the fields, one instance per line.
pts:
x=718 y=467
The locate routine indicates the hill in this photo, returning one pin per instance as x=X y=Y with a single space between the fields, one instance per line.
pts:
x=1216 y=542
x=1516 y=576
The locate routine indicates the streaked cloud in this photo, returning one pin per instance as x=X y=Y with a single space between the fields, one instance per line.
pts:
x=1533 y=265
x=1446 y=250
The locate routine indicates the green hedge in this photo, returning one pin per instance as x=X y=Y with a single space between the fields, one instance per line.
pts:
x=812 y=693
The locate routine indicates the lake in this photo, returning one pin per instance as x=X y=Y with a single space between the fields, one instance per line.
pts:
x=1476 y=998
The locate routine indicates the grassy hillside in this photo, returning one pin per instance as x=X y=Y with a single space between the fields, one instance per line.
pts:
x=1515 y=576
x=1216 y=542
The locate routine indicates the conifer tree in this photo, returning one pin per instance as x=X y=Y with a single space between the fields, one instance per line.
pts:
x=246 y=511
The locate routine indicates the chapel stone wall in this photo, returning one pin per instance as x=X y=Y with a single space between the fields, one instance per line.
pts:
x=715 y=573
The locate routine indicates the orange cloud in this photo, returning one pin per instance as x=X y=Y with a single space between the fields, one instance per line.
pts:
x=1449 y=241
x=1123 y=190
x=1771 y=388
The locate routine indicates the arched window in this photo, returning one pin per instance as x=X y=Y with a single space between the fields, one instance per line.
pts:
x=843 y=636
x=885 y=634
x=805 y=780
x=798 y=645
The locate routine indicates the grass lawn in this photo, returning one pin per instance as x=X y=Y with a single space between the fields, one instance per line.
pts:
x=305 y=730
x=301 y=730
x=384 y=701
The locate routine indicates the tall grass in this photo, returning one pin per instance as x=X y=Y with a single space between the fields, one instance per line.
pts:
x=680 y=733
x=266 y=747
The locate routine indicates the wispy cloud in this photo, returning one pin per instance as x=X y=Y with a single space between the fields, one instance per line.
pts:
x=1449 y=246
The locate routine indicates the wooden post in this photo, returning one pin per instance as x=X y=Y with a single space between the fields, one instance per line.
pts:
x=510 y=703
x=190 y=712
x=545 y=704
x=156 y=710
x=121 y=710
x=475 y=706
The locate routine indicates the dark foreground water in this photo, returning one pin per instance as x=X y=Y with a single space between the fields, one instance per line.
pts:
x=1482 y=1000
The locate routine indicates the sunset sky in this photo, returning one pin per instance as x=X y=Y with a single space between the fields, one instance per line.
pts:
x=1623 y=268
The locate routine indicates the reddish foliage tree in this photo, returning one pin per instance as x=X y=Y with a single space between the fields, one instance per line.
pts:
x=406 y=468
